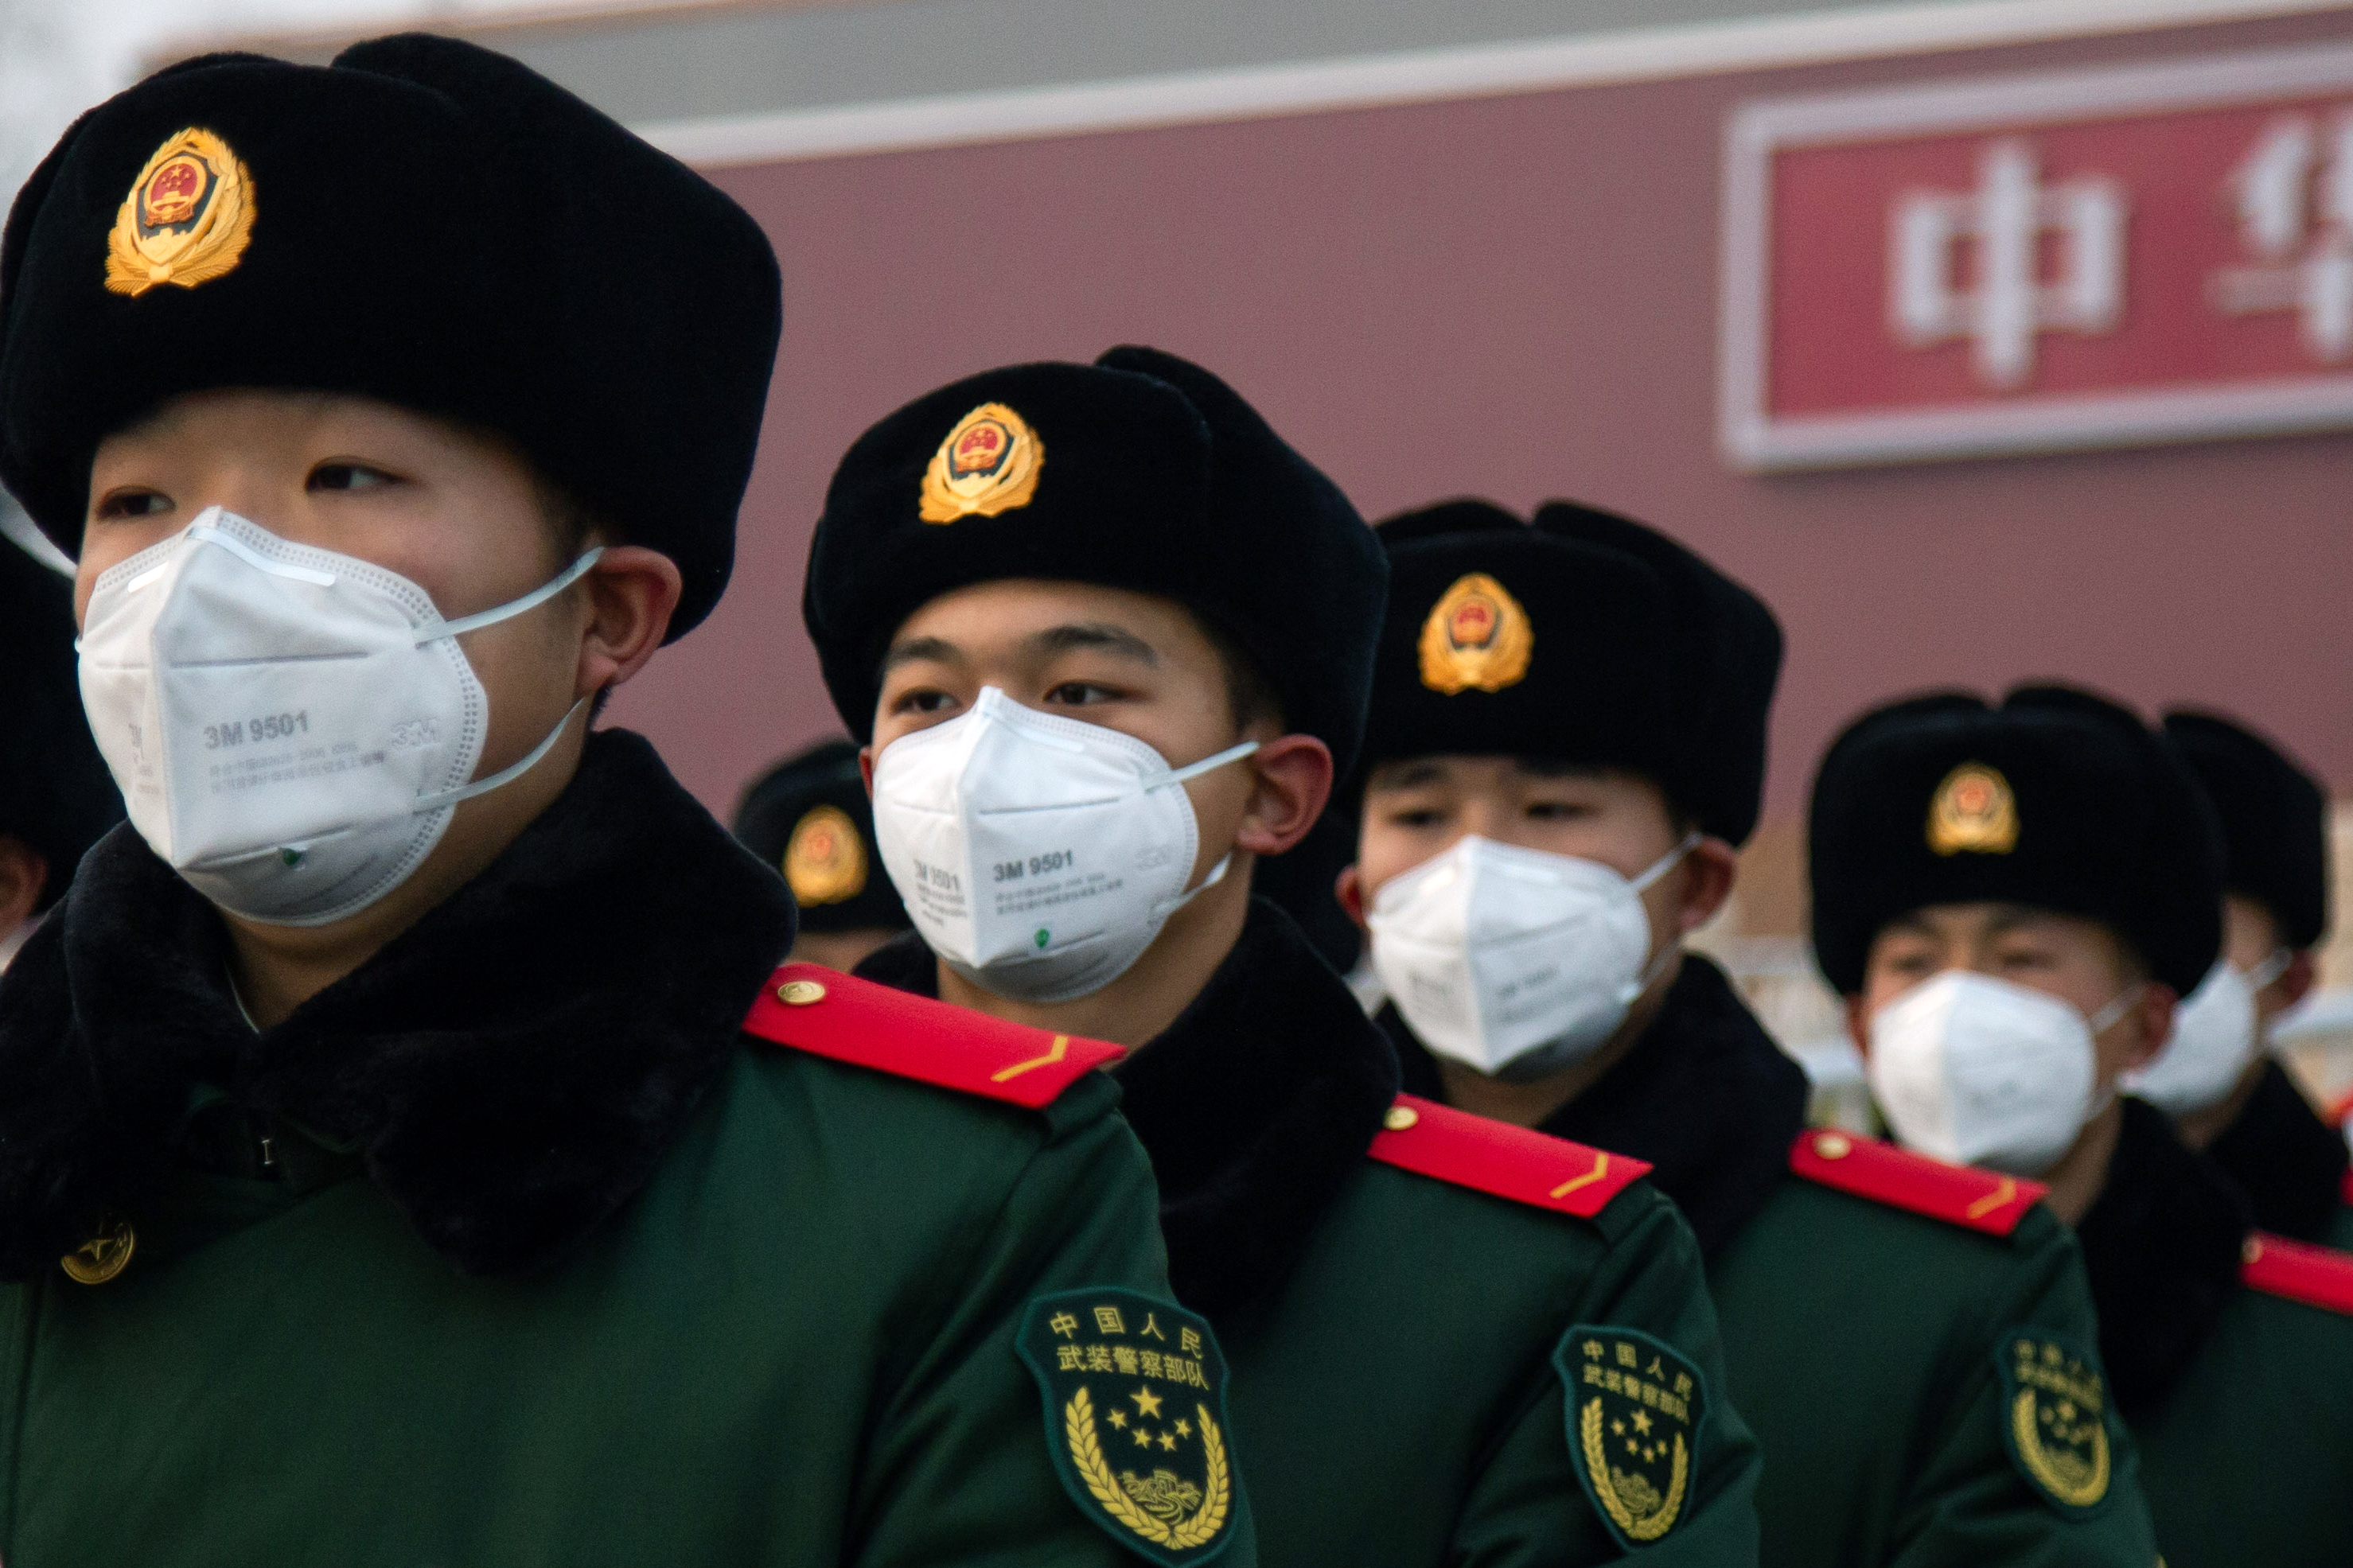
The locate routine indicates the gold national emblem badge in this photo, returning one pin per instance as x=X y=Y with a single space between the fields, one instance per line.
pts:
x=102 y=1256
x=988 y=464
x=186 y=220
x=2054 y=1420
x=1973 y=811
x=1135 y=1419
x=1477 y=635
x=824 y=859
x=1634 y=1409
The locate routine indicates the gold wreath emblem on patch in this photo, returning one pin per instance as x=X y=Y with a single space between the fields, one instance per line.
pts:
x=1163 y=1507
x=824 y=859
x=2073 y=1465
x=1476 y=636
x=1634 y=1502
x=187 y=217
x=1973 y=810
x=988 y=464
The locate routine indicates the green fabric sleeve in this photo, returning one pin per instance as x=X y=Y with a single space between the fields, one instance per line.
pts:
x=958 y=1470
x=1968 y=1506
x=1528 y=1506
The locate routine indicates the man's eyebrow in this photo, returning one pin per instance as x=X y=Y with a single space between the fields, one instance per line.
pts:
x=2007 y=919
x=1098 y=635
x=936 y=648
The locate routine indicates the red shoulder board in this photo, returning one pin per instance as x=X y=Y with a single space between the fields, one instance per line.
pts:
x=1495 y=1157
x=1958 y=1195
x=828 y=1014
x=2316 y=1276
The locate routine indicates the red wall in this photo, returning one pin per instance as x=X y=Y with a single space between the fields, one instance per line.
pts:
x=1516 y=298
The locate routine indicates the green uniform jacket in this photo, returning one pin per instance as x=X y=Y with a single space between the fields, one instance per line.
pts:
x=1397 y=1328
x=509 y=1249
x=1863 y=1337
x=2241 y=1393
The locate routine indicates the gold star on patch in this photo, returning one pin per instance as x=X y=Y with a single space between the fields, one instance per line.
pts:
x=1117 y=1417
x=1184 y=1427
x=1142 y=1438
x=1168 y=1442
x=1641 y=1421
x=1146 y=1402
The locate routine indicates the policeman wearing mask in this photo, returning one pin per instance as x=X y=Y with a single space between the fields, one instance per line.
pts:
x=1106 y=638
x=2013 y=898
x=56 y=798
x=808 y=818
x=2216 y=1076
x=411 y=1153
x=1566 y=743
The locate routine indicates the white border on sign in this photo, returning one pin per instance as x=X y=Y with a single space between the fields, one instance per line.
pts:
x=1414 y=76
x=1753 y=439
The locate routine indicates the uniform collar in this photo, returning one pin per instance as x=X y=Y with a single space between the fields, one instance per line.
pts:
x=511 y=1068
x=1255 y=1105
x=1703 y=1095
x=2162 y=1248
x=2288 y=1161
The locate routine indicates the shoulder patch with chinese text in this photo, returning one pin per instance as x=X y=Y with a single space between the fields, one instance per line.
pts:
x=1635 y=1404
x=2054 y=1405
x=1135 y=1419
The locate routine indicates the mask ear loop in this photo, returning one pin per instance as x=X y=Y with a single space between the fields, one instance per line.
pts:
x=2100 y=1023
x=505 y=776
x=1225 y=862
x=512 y=607
x=2270 y=969
x=1642 y=884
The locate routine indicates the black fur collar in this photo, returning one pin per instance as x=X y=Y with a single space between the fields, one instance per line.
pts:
x=513 y=1067
x=2288 y=1161
x=1704 y=1096
x=2161 y=1246
x=1254 y=1105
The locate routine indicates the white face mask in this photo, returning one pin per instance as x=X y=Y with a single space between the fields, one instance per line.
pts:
x=291 y=727
x=2213 y=1040
x=1038 y=856
x=1515 y=961
x=1977 y=1071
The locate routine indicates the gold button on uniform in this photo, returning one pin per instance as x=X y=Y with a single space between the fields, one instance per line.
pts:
x=800 y=993
x=101 y=1257
x=1833 y=1146
x=1400 y=1117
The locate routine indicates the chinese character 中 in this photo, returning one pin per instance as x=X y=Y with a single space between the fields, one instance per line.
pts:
x=2006 y=302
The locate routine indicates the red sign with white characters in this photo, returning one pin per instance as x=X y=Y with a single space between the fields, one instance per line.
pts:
x=2032 y=263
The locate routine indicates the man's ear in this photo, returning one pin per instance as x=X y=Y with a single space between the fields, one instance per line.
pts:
x=2296 y=981
x=1710 y=870
x=866 y=767
x=1858 y=1023
x=2155 y=1008
x=1291 y=783
x=632 y=593
x=1350 y=889
x=23 y=872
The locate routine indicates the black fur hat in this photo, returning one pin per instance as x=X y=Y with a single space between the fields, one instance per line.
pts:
x=423 y=222
x=2274 y=821
x=2057 y=799
x=808 y=818
x=55 y=791
x=1140 y=472
x=1586 y=637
